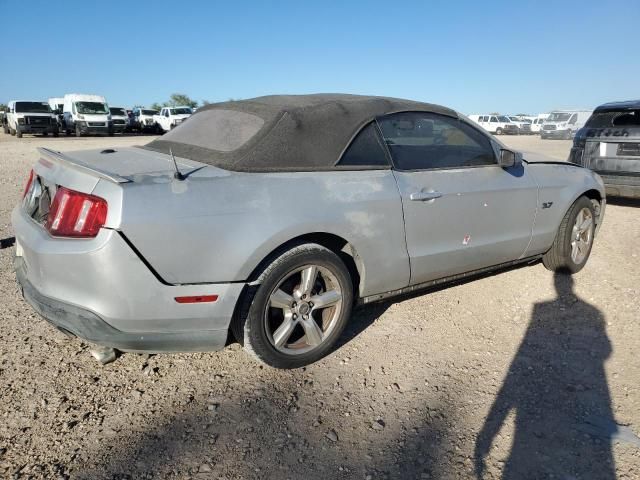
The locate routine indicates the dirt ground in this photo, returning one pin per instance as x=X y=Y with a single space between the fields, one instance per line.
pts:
x=517 y=375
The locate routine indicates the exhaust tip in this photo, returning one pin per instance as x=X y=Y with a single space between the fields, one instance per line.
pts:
x=103 y=354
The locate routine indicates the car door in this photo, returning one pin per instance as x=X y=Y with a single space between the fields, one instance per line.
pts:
x=462 y=211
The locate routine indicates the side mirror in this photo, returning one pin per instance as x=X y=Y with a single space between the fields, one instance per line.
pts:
x=509 y=158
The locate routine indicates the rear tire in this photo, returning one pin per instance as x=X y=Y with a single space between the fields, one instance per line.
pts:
x=572 y=246
x=278 y=322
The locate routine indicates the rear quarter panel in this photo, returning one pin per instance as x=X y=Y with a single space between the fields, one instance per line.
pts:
x=217 y=226
x=560 y=184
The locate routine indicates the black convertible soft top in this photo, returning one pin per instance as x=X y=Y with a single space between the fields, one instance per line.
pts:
x=280 y=132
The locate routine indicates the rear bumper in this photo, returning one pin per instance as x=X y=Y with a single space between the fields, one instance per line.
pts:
x=99 y=290
x=621 y=186
x=88 y=326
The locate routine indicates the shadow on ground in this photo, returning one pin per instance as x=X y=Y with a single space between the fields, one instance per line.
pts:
x=624 y=202
x=266 y=436
x=557 y=389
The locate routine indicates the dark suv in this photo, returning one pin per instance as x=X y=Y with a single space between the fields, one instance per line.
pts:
x=609 y=144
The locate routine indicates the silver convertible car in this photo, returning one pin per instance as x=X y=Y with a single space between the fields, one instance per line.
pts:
x=268 y=219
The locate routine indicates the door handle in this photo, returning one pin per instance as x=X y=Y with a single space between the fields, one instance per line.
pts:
x=424 y=196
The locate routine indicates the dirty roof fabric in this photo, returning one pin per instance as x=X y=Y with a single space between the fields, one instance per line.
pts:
x=280 y=132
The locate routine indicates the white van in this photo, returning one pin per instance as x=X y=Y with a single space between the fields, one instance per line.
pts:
x=29 y=117
x=564 y=123
x=86 y=114
x=119 y=119
x=496 y=124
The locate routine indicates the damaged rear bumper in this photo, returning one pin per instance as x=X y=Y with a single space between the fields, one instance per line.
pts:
x=87 y=325
x=90 y=327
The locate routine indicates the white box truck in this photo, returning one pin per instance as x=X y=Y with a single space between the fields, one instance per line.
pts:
x=86 y=114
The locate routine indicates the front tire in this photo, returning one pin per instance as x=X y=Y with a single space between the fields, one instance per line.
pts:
x=498 y=131
x=18 y=132
x=574 y=239
x=298 y=311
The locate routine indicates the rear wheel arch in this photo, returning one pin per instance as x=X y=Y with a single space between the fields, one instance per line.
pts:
x=345 y=250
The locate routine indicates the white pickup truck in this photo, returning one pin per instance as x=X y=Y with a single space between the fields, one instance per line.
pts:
x=170 y=117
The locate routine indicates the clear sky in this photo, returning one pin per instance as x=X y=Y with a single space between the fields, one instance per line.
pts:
x=474 y=56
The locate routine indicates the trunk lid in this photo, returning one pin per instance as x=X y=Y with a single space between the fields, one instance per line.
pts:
x=117 y=165
x=611 y=139
x=612 y=150
x=104 y=173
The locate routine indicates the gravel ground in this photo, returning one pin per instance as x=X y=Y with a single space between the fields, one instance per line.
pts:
x=516 y=375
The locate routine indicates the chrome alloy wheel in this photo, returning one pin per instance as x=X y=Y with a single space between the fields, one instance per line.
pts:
x=303 y=309
x=581 y=236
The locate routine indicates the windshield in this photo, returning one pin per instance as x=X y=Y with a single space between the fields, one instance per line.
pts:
x=180 y=111
x=33 y=107
x=503 y=119
x=117 y=111
x=558 y=117
x=148 y=112
x=91 y=108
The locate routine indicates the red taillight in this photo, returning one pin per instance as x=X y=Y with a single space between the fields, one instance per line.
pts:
x=197 y=299
x=76 y=214
x=28 y=185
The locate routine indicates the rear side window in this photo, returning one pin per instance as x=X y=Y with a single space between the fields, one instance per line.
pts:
x=365 y=150
x=217 y=129
x=425 y=141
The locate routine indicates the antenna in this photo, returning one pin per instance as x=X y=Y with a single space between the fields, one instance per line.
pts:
x=177 y=175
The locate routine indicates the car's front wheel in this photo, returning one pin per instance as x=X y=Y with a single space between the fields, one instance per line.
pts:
x=299 y=309
x=574 y=239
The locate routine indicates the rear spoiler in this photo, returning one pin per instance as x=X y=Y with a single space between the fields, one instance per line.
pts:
x=59 y=157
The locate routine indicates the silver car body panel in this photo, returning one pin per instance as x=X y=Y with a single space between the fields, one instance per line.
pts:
x=482 y=216
x=104 y=276
x=206 y=235
x=219 y=225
